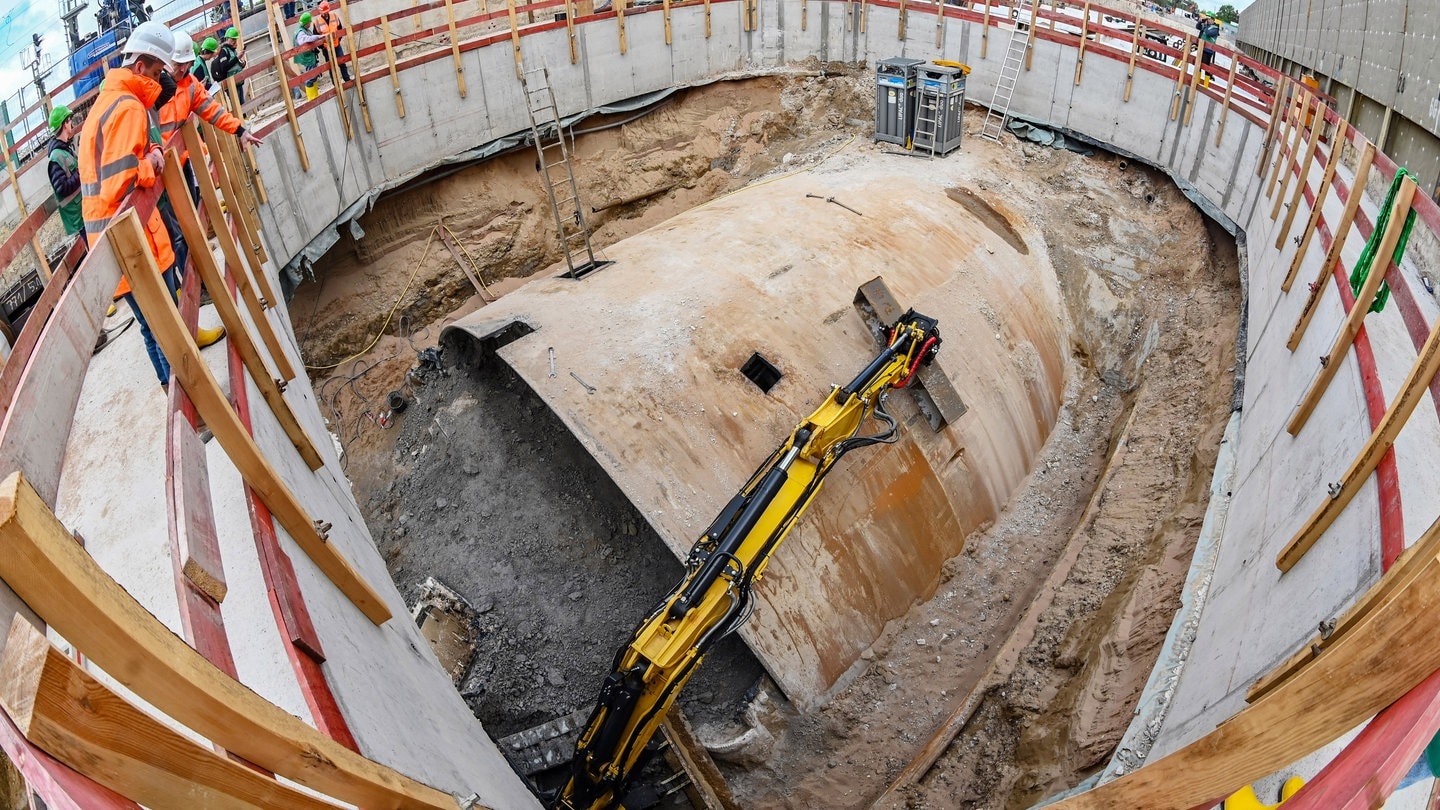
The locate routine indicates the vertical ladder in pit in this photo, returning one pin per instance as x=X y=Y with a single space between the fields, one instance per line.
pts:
x=1009 y=74
x=927 y=120
x=557 y=175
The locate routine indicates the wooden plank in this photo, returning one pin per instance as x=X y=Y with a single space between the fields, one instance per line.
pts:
x=1225 y=104
x=465 y=262
x=57 y=784
x=194 y=374
x=1291 y=159
x=455 y=44
x=1195 y=81
x=355 y=60
x=37 y=426
x=619 y=6
x=1134 y=57
x=985 y=31
x=1416 y=386
x=1337 y=147
x=1341 y=231
x=1372 y=765
x=332 y=67
x=252 y=174
x=193 y=518
x=1289 y=125
x=515 y=39
x=900 y=29
x=1270 y=126
x=81 y=602
x=1393 y=649
x=40 y=258
x=276 y=49
x=863 y=14
x=229 y=152
x=570 y=28
x=246 y=239
x=1317 y=130
x=704 y=774
x=231 y=251
x=1400 y=575
x=1084 y=38
x=1182 y=66
x=72 y=716
x=665 y=8
x=1331 y=362
x=1030 y=40
x=707 y=18
x=390 y=60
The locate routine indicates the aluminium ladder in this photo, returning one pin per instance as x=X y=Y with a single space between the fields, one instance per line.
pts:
x=1009 y=76
x=554 y=157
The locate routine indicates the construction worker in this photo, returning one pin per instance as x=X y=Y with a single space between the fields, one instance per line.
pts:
x=1209 y=34
x=191 y=97
x=328 y=25
x=309 y=58
x=64 y=168
x=229 y=61
x=117 y=156
x=205 y=63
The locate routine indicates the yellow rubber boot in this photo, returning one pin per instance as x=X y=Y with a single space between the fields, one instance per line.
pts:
x=206 y=337
x=110 y=311
x=1245 y=798
x=312 y=92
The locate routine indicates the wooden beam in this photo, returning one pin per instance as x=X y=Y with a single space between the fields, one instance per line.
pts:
x=1270 y=127
x=1195 y=81
x=253 y=302
x=40 y=258
x=1030 y=40
x=707 y=18
x=333 y=68
x=900 y=28
x=698 y=764
x=665 y=8
x=570 y=29
x=57 y=784
x=355 y=60
x=1289 y=127
x=1134 y=56
x=1331 y=362
x=1400 y=576
x=1337 y=147
x=455 y=44
x=1417 y=383
x=54 y=575
x=276 y=49
x=1291 y=157
x=1393 y=649
x=1084 y=37
x=1182 y=65
x=863 y=14
x=192 y=515
x=1341 y=231
x=985 y=31
x=1317 y=130
x=72 y=716
x=235 y=327
x=466 y=262
x=194 y=374
x=515 y=38
x=1225 y=104
x=225 y=155
x=390 y=60
x=619 y=6
x=252 y=172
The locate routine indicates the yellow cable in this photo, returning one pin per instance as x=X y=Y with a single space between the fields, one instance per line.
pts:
x=388 y=315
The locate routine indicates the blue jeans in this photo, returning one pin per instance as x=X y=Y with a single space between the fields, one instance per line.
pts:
x=157 y=358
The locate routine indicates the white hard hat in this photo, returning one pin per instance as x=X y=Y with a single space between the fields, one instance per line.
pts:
x=184 y=49
x=151 y=39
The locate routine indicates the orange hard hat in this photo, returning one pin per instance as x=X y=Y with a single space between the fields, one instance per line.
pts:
x=324 y=6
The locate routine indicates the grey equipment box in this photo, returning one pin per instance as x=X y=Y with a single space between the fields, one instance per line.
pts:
x=895 y=99
x=940 y=108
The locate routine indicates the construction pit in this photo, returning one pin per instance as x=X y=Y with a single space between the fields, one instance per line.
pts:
x=963 y=619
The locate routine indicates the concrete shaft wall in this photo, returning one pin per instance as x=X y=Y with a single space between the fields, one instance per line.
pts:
x=1376 y=57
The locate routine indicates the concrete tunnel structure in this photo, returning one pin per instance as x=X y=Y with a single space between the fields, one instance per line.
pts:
x=1225 y=145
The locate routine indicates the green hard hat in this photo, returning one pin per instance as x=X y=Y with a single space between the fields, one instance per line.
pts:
x=305 y=18
x=232 y=33
x=59 y=114
x=210 y=45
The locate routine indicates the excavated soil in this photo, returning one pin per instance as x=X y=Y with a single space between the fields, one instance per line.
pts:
x=1041 y=635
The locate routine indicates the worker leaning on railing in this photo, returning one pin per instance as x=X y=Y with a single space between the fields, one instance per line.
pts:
x=64 y=168
x=191 y=97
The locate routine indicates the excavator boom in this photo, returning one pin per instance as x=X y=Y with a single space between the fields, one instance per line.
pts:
x=714 y=597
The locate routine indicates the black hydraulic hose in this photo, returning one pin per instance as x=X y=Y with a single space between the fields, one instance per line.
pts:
x=900 y=346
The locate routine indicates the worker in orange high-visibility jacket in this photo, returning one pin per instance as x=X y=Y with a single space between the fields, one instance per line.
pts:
x=116 y=156
x=191 y=97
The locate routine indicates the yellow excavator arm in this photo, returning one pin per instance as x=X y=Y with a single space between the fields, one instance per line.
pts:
x=714 y=597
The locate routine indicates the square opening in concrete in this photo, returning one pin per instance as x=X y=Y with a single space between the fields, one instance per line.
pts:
x=761 y=372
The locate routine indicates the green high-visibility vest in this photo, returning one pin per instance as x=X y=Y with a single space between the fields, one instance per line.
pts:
x=70 y=213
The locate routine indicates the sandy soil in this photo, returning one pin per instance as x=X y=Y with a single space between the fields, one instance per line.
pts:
x=1045 y=628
